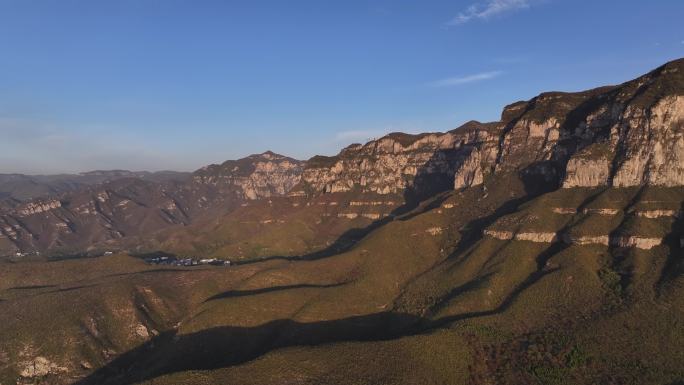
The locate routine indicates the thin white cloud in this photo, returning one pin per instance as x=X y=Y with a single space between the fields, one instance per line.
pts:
x=457 y=81
x=486 y=10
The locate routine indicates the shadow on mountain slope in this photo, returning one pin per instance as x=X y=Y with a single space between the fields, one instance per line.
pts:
x=427 y=191
x=472 y=231
x=531 y=279
x=230 y=345
x=227 y=346
x=674 y=267
x=245 y=293
x=469 y=241
x=617 y=253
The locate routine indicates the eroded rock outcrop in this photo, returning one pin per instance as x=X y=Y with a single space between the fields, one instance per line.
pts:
x=434 y=231
x=531 y=236
x=538 y=237
x=653 y=214
x=564 y=210
x=470 y=172
x=398 y=162
x=626 y=241
x=586 y=172
x=620 y=136
x=38 y=207
x=644 y=243
x=40 y=367
x=531 y=138
x=255 y=177
x=653 y=142
x=634 y=135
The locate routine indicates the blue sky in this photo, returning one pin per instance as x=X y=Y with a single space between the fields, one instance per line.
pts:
x=177 y=84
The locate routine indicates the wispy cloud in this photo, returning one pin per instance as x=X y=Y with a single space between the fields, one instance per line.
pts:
x=486 y=10
x=457 y=81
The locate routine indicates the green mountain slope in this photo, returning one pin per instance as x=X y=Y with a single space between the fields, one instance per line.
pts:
x=542 y=249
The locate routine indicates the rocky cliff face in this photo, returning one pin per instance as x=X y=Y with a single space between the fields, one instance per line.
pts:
x=633 y=134
x=628 y=135
x=257 y=176
x=400 y=162
x=620 y=136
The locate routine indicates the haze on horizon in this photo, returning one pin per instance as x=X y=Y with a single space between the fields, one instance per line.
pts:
x=159 y=85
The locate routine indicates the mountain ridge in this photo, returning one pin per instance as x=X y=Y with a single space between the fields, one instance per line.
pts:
x=581 y=139
x=543 y=248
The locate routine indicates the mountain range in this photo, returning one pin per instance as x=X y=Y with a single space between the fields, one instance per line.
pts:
x=544 y=248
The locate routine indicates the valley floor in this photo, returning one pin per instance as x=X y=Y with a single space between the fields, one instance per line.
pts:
x=426 y=298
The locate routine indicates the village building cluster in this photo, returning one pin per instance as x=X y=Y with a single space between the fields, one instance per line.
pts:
x=189 y=261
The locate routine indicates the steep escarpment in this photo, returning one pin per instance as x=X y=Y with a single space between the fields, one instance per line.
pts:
x=641 y=218
x=257 y=176
x=631 y=135
x=626 y=135
x=542 y=248
x=420 y=164
x=618 y=136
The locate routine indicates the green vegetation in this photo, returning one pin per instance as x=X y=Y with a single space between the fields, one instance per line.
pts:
x=576 y=357
x=667 y=80
x=597 y=151
x=559 y=104
x=321 y=161
x=611 y=280
x=446 y=307
x=328 y=292
x=406 y=139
